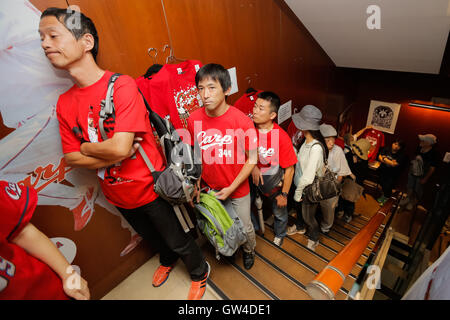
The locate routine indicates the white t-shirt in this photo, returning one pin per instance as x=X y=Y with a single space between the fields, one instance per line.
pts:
x=337 y=163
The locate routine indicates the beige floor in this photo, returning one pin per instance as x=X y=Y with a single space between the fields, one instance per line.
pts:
x=138 y=286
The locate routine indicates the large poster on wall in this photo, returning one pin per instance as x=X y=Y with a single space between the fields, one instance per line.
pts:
x=383 y=116
x=32 y=154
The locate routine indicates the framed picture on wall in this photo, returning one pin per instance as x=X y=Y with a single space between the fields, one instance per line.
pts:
x=383 y=115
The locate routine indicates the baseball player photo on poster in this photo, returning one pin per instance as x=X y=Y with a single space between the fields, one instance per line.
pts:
x=383 y=116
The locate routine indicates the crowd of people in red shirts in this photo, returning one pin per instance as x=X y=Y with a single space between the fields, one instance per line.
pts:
x=237 y=168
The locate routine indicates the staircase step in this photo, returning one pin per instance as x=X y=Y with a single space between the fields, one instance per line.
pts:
x=308 y=257
x=322 y=249
x=351 y=227
x=296 y=269
x=276 y=282
x=356 y=223
x=345 y=239
x=337 y=247
x=230 y=281
x=290 y=264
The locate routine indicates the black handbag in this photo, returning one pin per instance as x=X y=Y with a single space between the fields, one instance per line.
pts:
x=323 y=188
x=272 y=183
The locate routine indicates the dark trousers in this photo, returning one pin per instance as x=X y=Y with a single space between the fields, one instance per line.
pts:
x=347 y=206
x=297 y=206
x=157 y=223
x=387 y=182
x=309 y=210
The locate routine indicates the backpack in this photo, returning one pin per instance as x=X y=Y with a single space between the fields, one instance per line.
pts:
x=220 y=224
x=417 y=169
x=324 y=187
x=176 y=183
x=351 y=191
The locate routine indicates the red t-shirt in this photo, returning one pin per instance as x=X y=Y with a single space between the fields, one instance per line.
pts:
x=292 y=129
x=246 y=103
x=376 y=139
x=223 y=141
x=22 y=276
x=340 y=143
x=275 y=148
x=295 y=134
x=172 y=91
x=128 y=184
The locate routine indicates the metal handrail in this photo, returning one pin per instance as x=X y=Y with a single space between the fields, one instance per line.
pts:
x=328 y=282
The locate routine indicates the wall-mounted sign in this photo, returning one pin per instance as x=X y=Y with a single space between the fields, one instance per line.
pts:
x=285 y=112
x=234 y=83
x=383 y=115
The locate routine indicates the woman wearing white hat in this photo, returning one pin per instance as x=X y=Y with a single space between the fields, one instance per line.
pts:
x=337 y=163
x=310 y=163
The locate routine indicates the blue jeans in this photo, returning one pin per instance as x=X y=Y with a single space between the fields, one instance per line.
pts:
x=415 y=188
x=280 y=215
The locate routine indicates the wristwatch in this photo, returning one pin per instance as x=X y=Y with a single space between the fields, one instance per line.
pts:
x=284 y=194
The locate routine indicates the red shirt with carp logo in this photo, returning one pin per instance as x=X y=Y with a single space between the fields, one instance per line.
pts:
x=128 y=184
x=172 y=92
x=275 y=149
x=223 y=142
x=22 y=276
x=376 y=139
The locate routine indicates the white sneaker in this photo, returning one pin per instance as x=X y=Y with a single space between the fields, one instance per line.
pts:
x=312 y=244
x=324 y=230
x=278 y=241
x=293 y=230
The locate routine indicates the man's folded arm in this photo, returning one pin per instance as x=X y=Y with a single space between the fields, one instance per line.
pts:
x=115 y=149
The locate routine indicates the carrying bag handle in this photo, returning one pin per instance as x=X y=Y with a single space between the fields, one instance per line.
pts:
x=325 y=160
x=108 y=109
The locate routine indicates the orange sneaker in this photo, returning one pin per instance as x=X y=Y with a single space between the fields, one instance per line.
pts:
x=160 y=276
x=198 y=288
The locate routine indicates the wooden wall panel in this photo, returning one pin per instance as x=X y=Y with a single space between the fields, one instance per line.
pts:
x=260 y=38
x=41 y=5
x=127 y=28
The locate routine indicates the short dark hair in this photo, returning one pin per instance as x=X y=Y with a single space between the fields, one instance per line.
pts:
x=271 y=97
x=400 y=142
x=216 y=72
x=86 y=24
